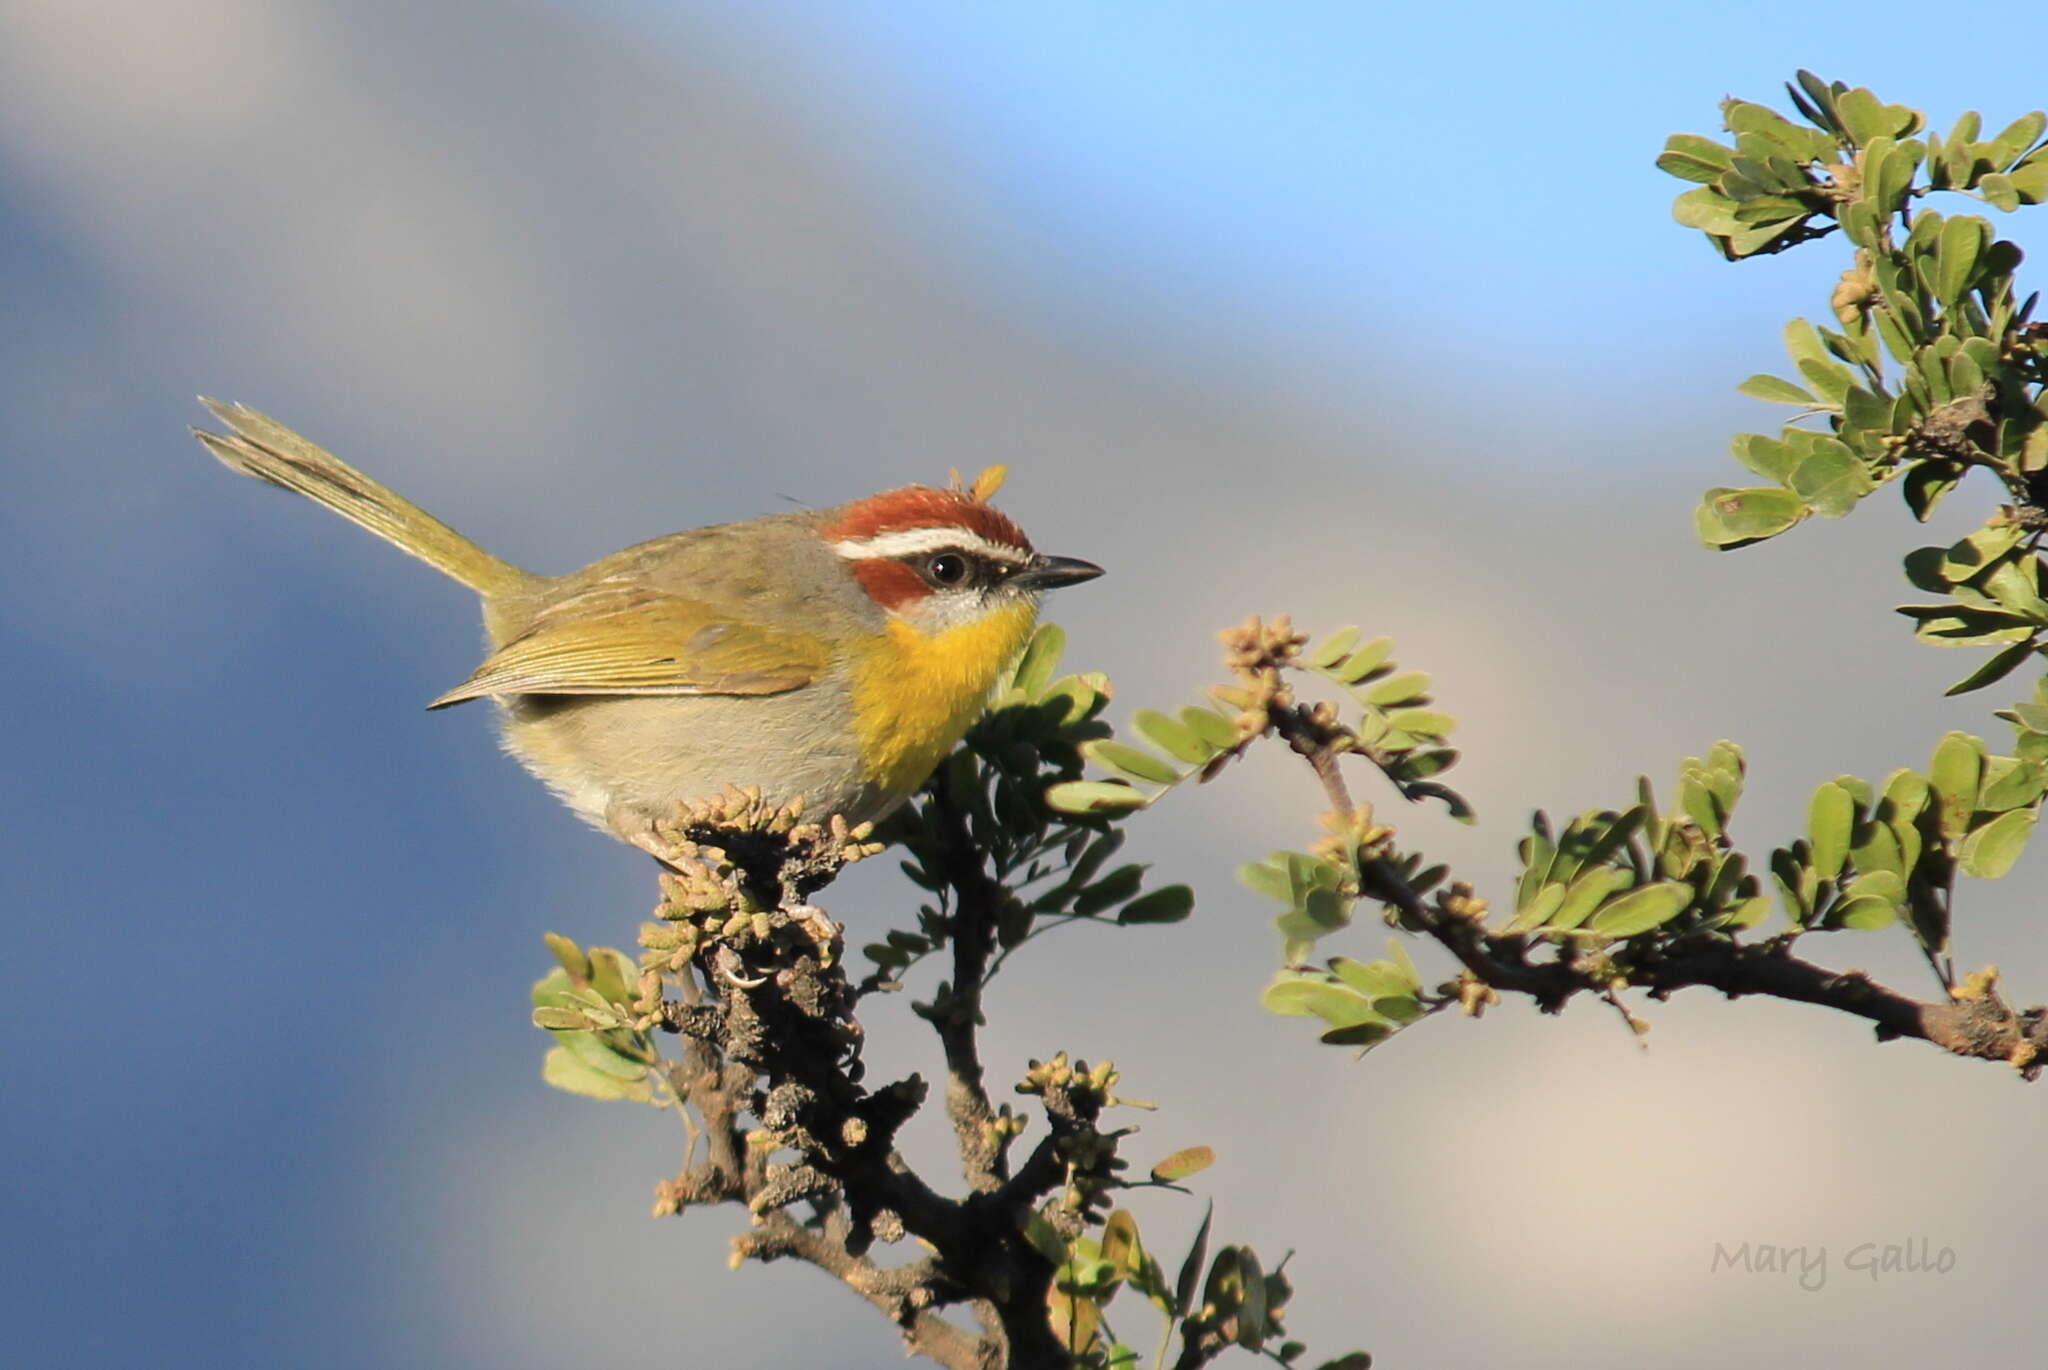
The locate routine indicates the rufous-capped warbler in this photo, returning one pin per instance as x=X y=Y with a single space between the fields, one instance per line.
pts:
x=833 y=656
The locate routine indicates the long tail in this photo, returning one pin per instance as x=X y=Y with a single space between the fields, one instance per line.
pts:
x=264 y=448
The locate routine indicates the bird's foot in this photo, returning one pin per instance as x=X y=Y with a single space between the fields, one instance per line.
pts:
x=820 y=926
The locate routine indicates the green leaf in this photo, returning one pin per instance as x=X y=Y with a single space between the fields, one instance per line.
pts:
x=1366 y=661
x=1537 y=851
x=604 y=1052
x=1750 y=912
x=2019 y=135
x=1411 y=687
x=1734 y=518
x=1093 y=797
x=1767 y=457
x=1320 y=911
x=886 y=956
x=1545 y=901
x=1093 y=857
x=1398 y=954
x=1331 y=649
x=1889 y=886
x=1705 y=209
x=1375 y=980
x=1990 y=851
x=1888 y=188
x=1878 y=848
x=1949 y=625
x=1191 y=1267
x=1772 y=390
x=1831 y=479
x=1818 y=103
x=1867 y=914
x=1120 y=1244
x=1797 y=143
x=1793 y=870
x=1187 y=1161
x=2030 y=182
x=1171 y=736
x=1829 y=818
x=567 y=1072
x=1693 y=158
x=1997 y=667
x=1296 y=996
x=1119 y=885
x=1962 y=243
x=1129 y=762
x=1907 y=792
x=613 y=975
x=2018 y=783
x=1955 y=774
x=568 y=954
x=1212 y=727
x=1044 y=1237
x=1363 y=1035
x=1641 y=909
x=1269 y=878
x=1586 y=893
x=1422 y=722
x=1168 y=904
x=1251 y=1315
x=1861 y=409
x=1829 y=378
x=1862 y=116
x=1421 y=763
x=1927 y=482
x=1041 y=657
x=1924 y=569
x=1998 y=188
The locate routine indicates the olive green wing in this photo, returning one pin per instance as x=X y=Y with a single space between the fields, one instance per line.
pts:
x=629 y=640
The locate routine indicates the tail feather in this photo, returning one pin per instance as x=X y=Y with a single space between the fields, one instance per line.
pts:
x=262 y=447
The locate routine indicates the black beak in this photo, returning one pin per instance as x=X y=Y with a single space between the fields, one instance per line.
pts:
x=1049 y=573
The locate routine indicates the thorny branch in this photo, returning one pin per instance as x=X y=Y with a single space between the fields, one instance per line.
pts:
x=955 y=1011
x=765 y=1013
x=1977 y=1023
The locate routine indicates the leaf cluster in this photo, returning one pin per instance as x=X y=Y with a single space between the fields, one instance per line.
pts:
x=590 y=1004
x=1216 y=1302
x=1997 y=595
x=1610 y=876
x=1933 y=367
x=1396 y=725
x=1053 y=863
x=1873 y=856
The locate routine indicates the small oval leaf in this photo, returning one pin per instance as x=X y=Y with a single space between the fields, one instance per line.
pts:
x=1639 y=910
x=1183 y=1163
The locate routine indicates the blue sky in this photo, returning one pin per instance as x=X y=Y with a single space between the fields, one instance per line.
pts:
x=1349 y=172
x=1267 y=307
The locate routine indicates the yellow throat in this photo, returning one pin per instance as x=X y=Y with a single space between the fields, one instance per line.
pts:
x=915 y=696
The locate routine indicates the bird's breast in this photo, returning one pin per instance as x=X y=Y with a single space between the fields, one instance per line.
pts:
x=915 y=695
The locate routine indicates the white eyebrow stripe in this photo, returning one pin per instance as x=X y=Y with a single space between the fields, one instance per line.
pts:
x=911 y=541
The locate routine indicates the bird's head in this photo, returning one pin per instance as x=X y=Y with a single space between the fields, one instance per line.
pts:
x=939 y=559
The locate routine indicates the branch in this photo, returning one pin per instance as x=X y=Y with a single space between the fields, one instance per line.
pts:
x=1982 y=1027
x=766 y=1013
x=955 y=1010
x=903 y=1293
x=1976 y=1024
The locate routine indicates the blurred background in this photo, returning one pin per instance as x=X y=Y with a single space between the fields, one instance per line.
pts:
x=1367 y=313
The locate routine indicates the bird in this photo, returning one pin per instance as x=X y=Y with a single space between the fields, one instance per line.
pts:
x=828 y=658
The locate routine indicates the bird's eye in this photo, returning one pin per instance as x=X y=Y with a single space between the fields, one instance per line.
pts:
x=948 y=569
